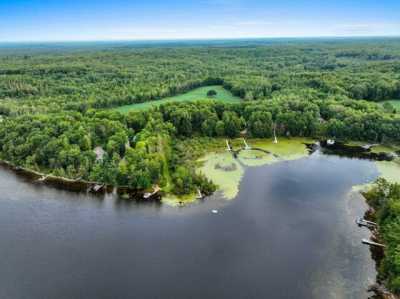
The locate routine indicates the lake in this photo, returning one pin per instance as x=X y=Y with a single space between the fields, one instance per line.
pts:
x=290 y=233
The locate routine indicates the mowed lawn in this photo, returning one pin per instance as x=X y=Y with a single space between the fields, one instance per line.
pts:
x=223 y=95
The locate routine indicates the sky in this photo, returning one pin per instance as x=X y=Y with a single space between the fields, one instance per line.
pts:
x=78 y=20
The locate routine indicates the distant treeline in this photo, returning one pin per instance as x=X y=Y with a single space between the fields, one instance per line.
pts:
x=47 y=81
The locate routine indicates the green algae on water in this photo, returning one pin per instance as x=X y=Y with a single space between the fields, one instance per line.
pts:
x=254 y=158
x=176 y=201
x=286 y=148
x=226 y=171
x=389 y=170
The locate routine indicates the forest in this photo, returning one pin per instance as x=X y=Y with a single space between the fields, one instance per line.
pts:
x=55 y=103
x=47 y=79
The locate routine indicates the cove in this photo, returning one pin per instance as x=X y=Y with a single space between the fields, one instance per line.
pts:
x=289 y=233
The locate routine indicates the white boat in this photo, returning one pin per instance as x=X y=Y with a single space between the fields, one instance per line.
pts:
x=330 y=142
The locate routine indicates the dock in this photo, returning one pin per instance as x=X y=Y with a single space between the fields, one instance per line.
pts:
x=366 y=223
x=246 y=146
x=275 y=138
x=148 y=195
x=42 y=179
x=229 y=148
x=235 y=153
x=97 y=187
x=372 y=243
x=199 y=195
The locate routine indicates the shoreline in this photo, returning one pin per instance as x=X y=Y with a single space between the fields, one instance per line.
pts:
x=128 y=193
x=377 y=254
x=78 y=185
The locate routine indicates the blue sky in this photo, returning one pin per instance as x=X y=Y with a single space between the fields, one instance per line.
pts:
x=45 y=20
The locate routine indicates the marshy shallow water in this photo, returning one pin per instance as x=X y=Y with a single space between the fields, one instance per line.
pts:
x=289 y=233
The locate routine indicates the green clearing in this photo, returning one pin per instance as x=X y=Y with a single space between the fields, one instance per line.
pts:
x=223 y=95
x=395 y=104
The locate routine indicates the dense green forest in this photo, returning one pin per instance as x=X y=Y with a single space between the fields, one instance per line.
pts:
x=55 y=116
x=47 y=79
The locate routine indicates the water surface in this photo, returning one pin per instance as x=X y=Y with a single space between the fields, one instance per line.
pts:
x=290 y=233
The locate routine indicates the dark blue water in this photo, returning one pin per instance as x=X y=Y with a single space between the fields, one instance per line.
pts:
x=290 y=233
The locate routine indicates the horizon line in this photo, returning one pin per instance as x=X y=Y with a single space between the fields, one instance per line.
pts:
x=198 y=39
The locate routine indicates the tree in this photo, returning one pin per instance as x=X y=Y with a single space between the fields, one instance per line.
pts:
x=260 y=124
x=211 y=93
x=389 y=107
x=232 y=123
x=182 y=120
x=183 y=180
x=220 y=128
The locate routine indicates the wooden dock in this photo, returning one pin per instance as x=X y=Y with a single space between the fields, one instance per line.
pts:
x=235 y=153
x=366 y=223
x=228 y=145
x=156 y=190
x=246 y=146
x=199 y=195
x=372 y=243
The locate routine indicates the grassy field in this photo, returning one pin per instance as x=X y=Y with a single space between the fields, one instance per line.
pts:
x=223 y=95
x=395 y=103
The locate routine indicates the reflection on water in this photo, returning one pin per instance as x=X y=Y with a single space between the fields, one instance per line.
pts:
x=290 y=233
